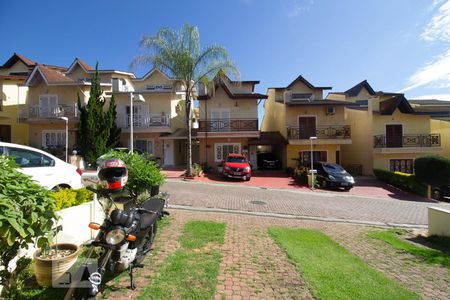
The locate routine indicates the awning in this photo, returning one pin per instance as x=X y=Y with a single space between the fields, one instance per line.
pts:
x=178 y=134
x=269 y=138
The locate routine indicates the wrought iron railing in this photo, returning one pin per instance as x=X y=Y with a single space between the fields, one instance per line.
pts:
x=48 y=111
x=228 y=125
x=321 y=132
x=143 y=120
x=407 y=140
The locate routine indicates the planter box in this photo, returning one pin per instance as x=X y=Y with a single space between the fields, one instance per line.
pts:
x=438 y=221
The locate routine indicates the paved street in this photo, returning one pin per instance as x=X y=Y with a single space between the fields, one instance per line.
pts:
x=299 y=203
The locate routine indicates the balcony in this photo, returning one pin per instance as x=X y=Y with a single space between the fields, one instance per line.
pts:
x=228 y=125
x=142 y=121
x=321 y=132
x=36 y=112
x=408 y=141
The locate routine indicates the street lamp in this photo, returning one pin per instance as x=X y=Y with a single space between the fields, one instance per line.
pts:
x=137 y=98
x=312 y=138
x=67 y=134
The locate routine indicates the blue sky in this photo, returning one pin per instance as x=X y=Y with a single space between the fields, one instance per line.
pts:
x=401 y=45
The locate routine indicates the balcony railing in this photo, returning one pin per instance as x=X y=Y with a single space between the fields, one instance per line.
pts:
x=143 y=120
x=228 y=125
x=321 y=132
x=407 y=140
x=48 y=112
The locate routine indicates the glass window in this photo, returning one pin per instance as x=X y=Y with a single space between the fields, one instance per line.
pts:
x=144 y=145
x=1 y=150
x=236 y=159
x=27 y=158
x=402 y=165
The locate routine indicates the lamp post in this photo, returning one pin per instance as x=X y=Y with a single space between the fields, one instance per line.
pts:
x=137 y=98
x=312 y=138
x=67 y=134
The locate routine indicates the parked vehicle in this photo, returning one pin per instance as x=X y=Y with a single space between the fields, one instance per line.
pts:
x=439 y=193
x=237 y=166
x=46 y=169
x=125 y=236
x=268 y=161
x=331 y=175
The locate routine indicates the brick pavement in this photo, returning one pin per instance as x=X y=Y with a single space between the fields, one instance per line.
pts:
x=253 y=267
x=324 y=205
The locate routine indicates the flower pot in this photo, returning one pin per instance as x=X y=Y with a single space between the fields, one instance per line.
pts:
x=47 y=270
x=154 y=190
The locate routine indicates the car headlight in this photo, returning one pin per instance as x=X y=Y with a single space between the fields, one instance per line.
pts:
x=115 y=236
x=227 y=168
x=331 y=177
x=247 y=168
x=349 y=179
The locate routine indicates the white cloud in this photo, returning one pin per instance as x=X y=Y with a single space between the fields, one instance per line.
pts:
x=439 y=26
x=299 y=7
x=434 y=74
x=436 y=96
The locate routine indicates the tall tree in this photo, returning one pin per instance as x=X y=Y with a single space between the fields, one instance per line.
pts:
x=94 y=129
x=179 y=54
x=114 y=132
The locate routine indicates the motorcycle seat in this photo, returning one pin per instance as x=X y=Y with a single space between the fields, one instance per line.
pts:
x=154 y=204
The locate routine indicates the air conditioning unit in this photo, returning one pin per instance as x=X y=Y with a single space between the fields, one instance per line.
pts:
x=330 y=110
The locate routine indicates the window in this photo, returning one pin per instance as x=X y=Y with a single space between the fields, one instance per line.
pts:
x=55 y=138
x=401 y=165
x=27 y=158
x=222 y=150
x=305 y=157
x=220 y=120
x=1 y=150
x=144 y=145
x=394 y=135
x=48 y=106
x=306 y=127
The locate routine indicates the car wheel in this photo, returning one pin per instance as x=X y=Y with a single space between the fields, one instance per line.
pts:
x=60 y=187
x=437 y=194
x=247 y=178
x=347 y=188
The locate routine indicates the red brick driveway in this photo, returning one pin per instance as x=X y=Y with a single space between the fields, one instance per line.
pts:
x=365 y=186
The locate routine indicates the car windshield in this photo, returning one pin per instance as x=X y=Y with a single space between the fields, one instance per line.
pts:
x=236 y=159
x=333 y=168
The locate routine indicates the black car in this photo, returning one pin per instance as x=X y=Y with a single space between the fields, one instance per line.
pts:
x=439 y=193
x=331 y=175
x=268 y=161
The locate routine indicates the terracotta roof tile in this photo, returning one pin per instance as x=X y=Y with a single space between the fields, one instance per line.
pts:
x=52 y=76
x=85 y=65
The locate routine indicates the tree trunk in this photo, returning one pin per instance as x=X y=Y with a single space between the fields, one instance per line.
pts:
x=189 y=137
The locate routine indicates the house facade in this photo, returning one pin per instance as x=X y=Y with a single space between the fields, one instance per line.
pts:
x=387 y=132
x=228 y=120
x=299 y=112
x=13 y=94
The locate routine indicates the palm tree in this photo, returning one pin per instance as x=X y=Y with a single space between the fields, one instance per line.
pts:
x=178 y=54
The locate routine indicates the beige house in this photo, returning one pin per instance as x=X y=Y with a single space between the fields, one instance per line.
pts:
x=228 y=120
x=13 y=94
x=387 y=132
x=299 y=112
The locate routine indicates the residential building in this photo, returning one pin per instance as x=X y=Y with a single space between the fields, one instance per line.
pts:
x=228 y=120
x=13 y=93
x=387 y=132
x=299 y=112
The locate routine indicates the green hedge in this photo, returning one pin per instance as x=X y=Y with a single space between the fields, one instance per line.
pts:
x=433 y=169
x=403 y=181
x=65 y=198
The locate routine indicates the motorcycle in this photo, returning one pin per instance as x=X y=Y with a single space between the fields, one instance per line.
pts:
x=124 y=237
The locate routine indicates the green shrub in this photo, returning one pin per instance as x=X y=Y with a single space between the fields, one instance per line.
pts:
x=83 y=195
x=142 y=173
x=301 y=175
x=26 y=216
x=65 y=198
x=197 y=169
x=403 y=181
x=433 y=170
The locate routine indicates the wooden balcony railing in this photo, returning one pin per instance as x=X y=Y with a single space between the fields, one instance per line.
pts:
x=321 y=132
x=407 y=140
x=228 y=125
x=48 y=111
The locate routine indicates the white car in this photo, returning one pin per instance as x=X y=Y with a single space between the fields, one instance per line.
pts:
x=46 y=169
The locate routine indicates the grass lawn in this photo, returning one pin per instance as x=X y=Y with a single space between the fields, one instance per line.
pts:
x=430 y=256
x=191 y=272
x=331 y=272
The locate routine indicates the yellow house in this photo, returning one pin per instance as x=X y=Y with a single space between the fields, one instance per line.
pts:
x=158 y=115
x=387 y=132
x=228 y=120
x=13 y=94
x=299 y=112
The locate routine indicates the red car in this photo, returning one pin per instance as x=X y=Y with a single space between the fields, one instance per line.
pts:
x=237 y=166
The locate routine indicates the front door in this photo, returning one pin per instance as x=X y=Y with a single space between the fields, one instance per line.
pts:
x=394 y=136
x=220 y=120
x=307 y=127
x=5 y=133
x=168 y=153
